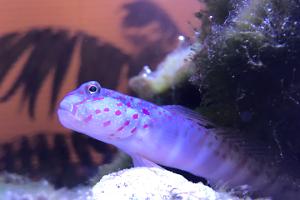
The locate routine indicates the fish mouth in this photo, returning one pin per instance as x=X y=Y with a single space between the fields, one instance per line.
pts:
x=64 y=112
x=65 y=106
x=64 y=117
x=64 y=109
x=61 y=112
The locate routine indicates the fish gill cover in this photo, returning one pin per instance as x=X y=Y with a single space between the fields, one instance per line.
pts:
x=248 y=70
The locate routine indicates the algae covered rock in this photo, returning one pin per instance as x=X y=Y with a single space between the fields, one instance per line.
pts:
x=170 y=76
x=248 y=73
x=154 y=184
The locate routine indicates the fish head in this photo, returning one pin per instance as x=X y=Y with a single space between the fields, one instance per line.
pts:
x=94 y=111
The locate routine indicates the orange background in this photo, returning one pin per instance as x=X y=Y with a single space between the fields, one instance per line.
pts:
x=100 y=18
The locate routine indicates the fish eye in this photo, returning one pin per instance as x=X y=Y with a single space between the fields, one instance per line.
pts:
x=92 y=89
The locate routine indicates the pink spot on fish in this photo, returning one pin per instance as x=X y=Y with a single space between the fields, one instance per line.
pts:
x=125 y=124
x=106 y=123
x=118 y=112
x=135 y=116
x=121 y=128
x=106 y=109
x=119 y=104
x=133 y=130
x=128 y=104
x=97 y=111
x=146 y=126
x=75 y=107
x=89 y=118
x=120 y=97
x=145 y=111
x=98 y=98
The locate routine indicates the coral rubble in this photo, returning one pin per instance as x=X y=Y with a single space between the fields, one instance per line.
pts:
x=152 y=183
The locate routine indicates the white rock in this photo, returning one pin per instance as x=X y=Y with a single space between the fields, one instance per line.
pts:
x=152 y=184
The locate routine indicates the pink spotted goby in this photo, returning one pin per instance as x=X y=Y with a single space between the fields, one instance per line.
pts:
x=166 y=135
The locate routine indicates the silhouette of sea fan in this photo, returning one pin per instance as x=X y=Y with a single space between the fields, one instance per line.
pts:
x=153 y=47
x=63 y=159
x=142 y=13
x=96 y=58
x=51 y=50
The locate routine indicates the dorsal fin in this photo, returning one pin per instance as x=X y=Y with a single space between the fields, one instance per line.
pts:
x=242 y=144
x=236 y=139
x=190 y=114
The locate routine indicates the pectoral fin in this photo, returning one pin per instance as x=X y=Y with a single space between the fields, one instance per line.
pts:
x=139 y=161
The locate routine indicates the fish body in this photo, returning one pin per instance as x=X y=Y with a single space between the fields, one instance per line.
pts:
x=166 y=135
